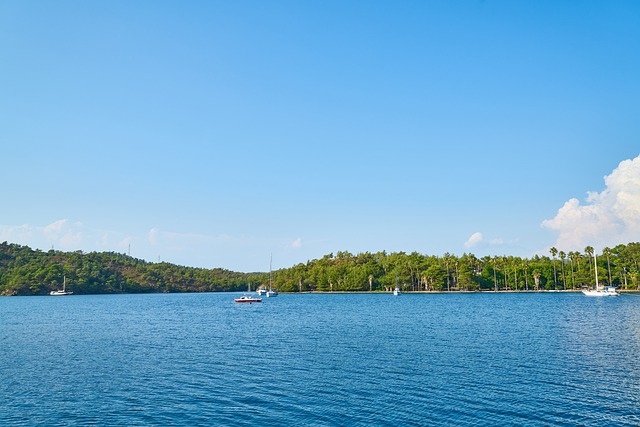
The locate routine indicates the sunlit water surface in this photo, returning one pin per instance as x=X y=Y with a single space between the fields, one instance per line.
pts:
x=320 y=360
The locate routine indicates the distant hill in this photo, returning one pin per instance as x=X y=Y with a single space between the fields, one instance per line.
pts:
x=24 y=271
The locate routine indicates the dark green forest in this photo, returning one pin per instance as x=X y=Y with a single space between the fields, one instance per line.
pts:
x=25 y=271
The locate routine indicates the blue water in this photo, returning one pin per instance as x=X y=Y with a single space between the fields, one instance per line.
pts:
x=320 y=360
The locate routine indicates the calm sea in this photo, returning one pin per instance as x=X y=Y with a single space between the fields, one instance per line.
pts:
x=320 y=360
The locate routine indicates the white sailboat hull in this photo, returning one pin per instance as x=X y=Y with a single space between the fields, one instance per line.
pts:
x=609 y=291
x=59 y=293
x=601 y=292
x=63 y=291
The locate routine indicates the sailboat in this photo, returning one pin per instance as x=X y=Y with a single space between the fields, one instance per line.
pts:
x=64 y=291
x=608 y=291
x=271 y=292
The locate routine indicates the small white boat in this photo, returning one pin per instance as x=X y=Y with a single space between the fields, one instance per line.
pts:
x=63 y=291
x=396 y=290
x=608 y=291
x=247 y=299
x=261 y=291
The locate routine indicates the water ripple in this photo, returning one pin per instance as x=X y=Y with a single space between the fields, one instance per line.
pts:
x=320 y=360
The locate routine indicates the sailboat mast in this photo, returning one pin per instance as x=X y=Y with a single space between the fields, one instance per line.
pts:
x=270 y=261
x=595 y=262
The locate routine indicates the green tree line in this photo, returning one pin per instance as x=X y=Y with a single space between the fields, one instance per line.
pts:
x=381 y=271
x=24 y=271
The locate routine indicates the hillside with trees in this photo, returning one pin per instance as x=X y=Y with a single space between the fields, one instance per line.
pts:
x=25 y=271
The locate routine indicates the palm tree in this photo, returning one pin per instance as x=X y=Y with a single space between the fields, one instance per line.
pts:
x=447 y=256
x=554 y=252
x=506 y=273
x=536 y=279
x=624 y=276
x=578 y=258
x=607 y=252
x=495 y=279
x=589 y=251
x=572 y=256
x=564 y=280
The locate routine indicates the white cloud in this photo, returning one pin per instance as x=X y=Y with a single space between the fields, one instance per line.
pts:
x=58 y=234
x=152 y=236
x=16 y=233
x=71 y=240
x=607 y=218
x=55 y=227
x=473 y=240
x=64 y=235
x=197 y=249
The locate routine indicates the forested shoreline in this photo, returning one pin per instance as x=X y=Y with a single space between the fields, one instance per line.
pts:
x=25 y=271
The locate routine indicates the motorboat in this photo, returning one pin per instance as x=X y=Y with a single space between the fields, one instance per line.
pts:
x=247 y=299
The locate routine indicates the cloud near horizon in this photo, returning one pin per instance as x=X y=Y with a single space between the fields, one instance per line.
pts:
x=60 y=234
x=154 y=244
x=608 y=218
x=477 y=239
x=474 y=240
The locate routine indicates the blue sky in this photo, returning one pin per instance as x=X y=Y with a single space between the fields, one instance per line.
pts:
x=213 y=134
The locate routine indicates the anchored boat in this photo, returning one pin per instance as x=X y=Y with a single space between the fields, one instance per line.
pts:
x=248 y=299
x=609 y=291
x=62 y=291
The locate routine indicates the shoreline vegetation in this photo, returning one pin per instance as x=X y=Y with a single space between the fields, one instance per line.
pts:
x=25 y=271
